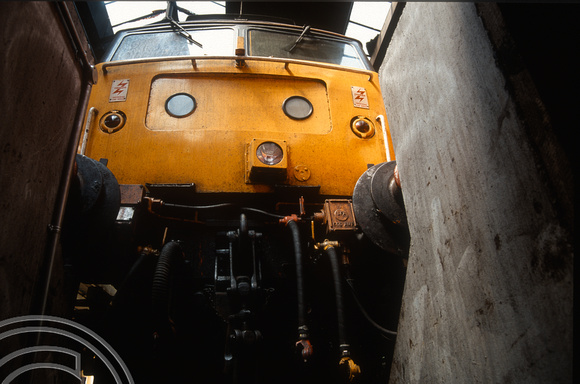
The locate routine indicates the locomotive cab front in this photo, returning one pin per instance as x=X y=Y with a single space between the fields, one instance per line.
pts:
x=235 y=179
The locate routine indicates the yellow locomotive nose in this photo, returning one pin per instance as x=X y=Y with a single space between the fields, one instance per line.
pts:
x=266 y=161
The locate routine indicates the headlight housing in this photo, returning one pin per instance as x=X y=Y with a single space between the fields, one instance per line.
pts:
x=362 y=127
x=266 y=161
x=269 y=153
x=112 y=121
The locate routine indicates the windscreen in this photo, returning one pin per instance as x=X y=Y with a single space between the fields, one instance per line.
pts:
x=282 y=45
x=214 y=42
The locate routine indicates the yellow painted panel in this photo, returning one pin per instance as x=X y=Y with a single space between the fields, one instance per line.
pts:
x=156 y=148
x=234 y=102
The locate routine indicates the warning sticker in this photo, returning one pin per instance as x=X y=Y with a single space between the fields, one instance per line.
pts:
x=359 y=97
x=119 y=90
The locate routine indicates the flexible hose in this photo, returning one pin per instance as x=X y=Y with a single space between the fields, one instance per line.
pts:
x=161 y=280
x=334 y=265
x=299 y=273
x=303 y=342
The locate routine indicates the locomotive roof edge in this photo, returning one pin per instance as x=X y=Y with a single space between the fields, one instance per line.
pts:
x=230 y=20
x=233 y=19
x=244 y=17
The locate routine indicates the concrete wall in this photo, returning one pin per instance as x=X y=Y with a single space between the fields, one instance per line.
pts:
x=39 y=93
x=488 y=292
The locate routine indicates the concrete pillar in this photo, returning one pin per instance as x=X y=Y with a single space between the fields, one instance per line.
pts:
x=39 y=92
x=488 y=292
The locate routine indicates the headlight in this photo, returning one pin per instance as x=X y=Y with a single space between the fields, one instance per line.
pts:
x=180 y=105
x=297 y=107
x=269 y=153
x=266 y=161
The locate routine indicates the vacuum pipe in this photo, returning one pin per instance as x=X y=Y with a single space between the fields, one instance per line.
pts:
x=303 y=334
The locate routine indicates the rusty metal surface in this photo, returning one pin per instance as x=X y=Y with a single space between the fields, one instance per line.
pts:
x=131 y=194
x=339 y=215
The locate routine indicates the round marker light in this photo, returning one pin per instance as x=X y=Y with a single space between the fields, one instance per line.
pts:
x=362 y=127
x=180 y=105
x=297 y=107
x=112 y=121
x=269 y=153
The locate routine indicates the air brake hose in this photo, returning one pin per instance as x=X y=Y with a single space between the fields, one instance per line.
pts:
x=336 y=276
x=169 y=255
x=350 y=369
x=303 y=334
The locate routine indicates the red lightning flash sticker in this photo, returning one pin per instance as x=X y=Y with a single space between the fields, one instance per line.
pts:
x=119 y=90
x=359 y=97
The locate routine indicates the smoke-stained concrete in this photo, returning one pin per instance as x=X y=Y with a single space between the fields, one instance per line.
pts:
x=489 y=287
x=39 y=93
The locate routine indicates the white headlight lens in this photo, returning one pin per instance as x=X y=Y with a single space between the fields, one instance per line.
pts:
x=180 y=105
x=297 y=107
x=269 y=153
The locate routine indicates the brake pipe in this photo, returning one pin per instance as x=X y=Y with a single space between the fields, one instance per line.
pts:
x=333 y=258
x=303 y=332
x=345 y=359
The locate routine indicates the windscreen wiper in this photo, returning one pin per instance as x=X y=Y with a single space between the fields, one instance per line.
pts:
x=299 y=39
x=180 y=30
x=183 y=32
x=149 y=16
